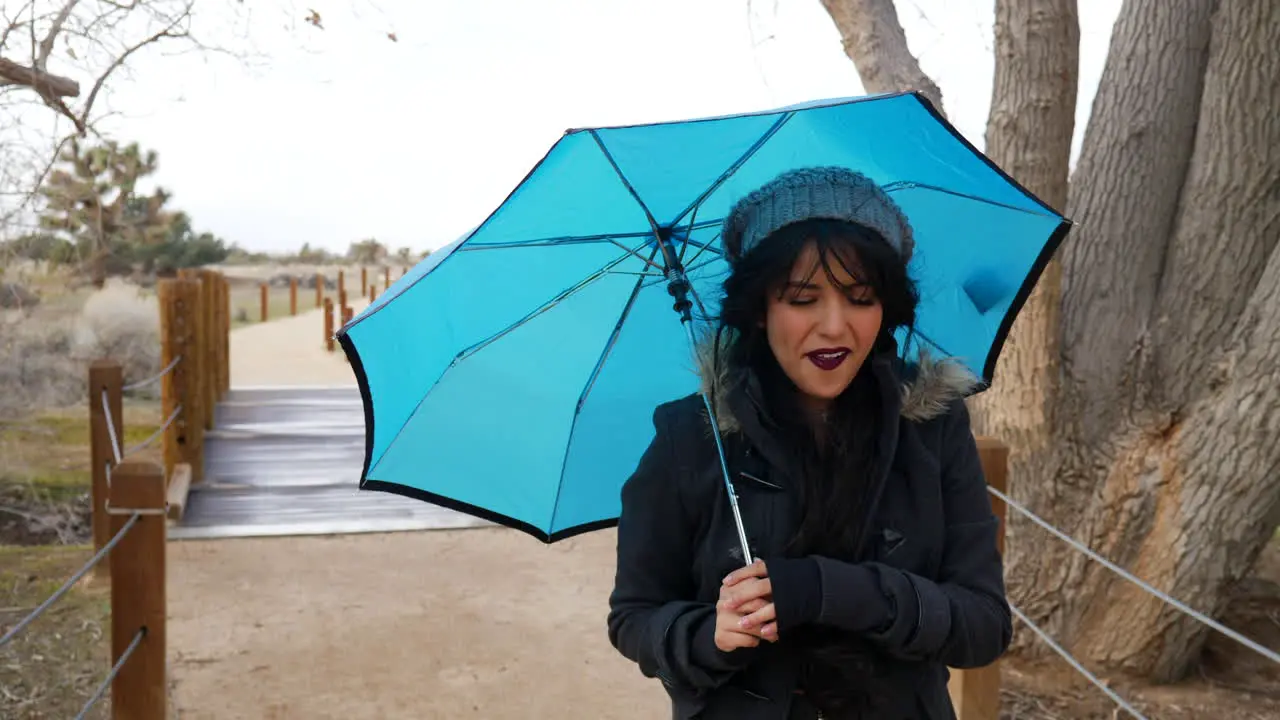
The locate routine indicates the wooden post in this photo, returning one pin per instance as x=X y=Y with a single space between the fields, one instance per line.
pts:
x=105 y=376
x=179 y=325
x=342 y=283
x=373 y=291
x=347 y=314
x=319 y=289
x=209 y=380
x=224 y=307
x=328 y=324
x=137 y=566
x=342 y=303
x=975 y=692
x=195 y=355
x=386 y=276
x=364 y=280
x=262 y=300
x=171 y=342
x=293 y=296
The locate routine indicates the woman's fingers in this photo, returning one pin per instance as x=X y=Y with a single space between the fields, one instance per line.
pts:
x=754 y=570
x=732 y=598
x=759 y=618
x=728 y=636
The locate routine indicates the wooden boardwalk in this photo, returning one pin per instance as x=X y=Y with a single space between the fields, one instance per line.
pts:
x=286 y=460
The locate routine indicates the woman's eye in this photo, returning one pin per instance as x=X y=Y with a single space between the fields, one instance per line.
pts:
x=803 y=301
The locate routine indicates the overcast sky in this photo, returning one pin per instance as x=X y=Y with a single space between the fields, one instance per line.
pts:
x=343 y=134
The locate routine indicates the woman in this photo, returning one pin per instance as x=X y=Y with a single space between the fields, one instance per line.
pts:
x=857 y=476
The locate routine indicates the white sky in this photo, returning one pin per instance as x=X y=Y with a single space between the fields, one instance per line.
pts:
x=345 y=135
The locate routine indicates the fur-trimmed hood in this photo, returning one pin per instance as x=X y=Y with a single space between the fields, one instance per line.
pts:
x=928 y=386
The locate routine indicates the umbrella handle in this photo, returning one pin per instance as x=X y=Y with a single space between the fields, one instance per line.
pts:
x=724 y=463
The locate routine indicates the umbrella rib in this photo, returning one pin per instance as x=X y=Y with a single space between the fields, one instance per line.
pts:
x=647 y=261
x=724 y=176
x=912 y=185
x=591 y=383
x=570 y=239
x=653 y=224
x=548 y=305
x=689 y=271
x=477 y=347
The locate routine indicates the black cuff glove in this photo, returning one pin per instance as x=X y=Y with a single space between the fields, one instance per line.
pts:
x=797 y=591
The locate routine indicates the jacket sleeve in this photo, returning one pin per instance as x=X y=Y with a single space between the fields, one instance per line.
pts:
x=962 y=618
x=654 y=619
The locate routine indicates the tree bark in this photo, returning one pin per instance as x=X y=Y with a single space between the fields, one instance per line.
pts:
x=1029 y=131
x=1166 y=455
x=875 y=42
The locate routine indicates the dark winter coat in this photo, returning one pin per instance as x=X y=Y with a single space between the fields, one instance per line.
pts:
x=927 y=595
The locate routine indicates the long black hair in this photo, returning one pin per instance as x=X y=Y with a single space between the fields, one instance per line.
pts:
x=832 y=468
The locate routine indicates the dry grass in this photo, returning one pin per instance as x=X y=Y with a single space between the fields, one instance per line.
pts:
x=54 y=666
x=45 y=351
x=44 y=472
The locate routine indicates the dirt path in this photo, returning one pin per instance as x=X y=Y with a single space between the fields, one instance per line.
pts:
x=446 y=624
x=288 y=351
x=439 y=624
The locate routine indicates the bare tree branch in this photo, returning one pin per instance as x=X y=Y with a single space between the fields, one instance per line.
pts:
x=124 y=56
x=44 y=83
x=46 y=45
x=876 y=43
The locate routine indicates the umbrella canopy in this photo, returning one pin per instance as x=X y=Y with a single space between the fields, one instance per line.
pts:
x=513 y=374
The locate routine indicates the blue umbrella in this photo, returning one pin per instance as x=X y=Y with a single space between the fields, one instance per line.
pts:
x=512 y=375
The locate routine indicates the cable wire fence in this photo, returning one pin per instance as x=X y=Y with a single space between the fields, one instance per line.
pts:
x=43 y=607
x=1121 y=703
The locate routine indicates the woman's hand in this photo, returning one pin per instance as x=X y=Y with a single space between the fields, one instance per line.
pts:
x=744 y=613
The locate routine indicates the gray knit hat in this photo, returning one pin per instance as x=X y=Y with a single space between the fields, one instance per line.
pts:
x=834 y=193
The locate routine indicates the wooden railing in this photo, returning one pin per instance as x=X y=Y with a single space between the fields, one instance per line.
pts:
x=136 y=491
x=369 y=289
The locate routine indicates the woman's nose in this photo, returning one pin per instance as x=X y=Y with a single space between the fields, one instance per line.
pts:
x=830 y=319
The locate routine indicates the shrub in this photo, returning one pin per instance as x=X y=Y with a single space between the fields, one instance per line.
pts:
x=44 y=356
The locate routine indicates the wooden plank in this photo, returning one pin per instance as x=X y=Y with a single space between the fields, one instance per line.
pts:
x=179 y=488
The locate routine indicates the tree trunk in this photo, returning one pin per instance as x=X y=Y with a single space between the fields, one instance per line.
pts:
x=1140 y=388
x=875 y=42
x=1166 y=453
x=1029 y=130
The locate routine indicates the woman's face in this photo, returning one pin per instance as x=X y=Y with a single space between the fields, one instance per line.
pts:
x=821 y=332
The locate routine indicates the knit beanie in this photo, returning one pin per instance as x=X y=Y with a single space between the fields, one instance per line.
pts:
x=833 y=193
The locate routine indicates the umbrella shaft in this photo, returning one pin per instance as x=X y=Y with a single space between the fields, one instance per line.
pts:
x=747 y=559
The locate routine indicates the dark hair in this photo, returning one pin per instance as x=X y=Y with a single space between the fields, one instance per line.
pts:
x=831 y=469
x=831 y=492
